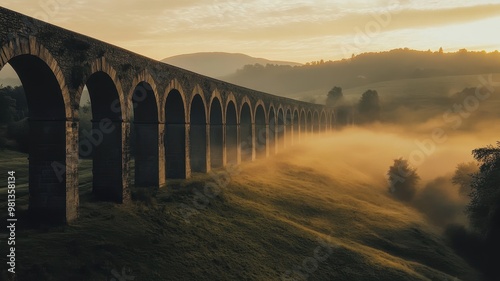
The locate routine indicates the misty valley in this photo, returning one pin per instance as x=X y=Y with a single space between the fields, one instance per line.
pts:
x=118 y=166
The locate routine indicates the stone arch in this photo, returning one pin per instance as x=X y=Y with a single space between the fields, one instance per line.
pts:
x=175 y=86
x=315 y=122
x=246 y=131
x=260 y=129
x=120 y=105
x=231 y=121
x=281 y=127
x=105 y=142
x=273 y=129
x=174 y=104
x=231 y=98
x=198 y=132
x=198 y=91
x=309 y=124
x=216 y=114
x=20 y=46
x=288 y=126
x=296 y=125
x=257 y=104
x=52 y=146
x=303 y=123
x=151 y=87
x=145 y=133
x=323 y=122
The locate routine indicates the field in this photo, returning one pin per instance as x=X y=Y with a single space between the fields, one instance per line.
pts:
x=318 y=211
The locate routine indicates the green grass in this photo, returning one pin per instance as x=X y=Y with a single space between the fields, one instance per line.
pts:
x=266 y=220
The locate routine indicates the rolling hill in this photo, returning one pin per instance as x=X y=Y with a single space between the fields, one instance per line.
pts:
x=218 y=64
x=363 y=71
x=303 y=215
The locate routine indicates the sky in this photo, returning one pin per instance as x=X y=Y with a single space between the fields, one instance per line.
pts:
x=289 y=30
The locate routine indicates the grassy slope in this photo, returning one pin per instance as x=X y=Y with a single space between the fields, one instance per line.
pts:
x=267 y=220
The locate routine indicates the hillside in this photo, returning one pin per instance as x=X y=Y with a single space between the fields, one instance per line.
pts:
x=363 y=70
x=322 y=206
x=218 y=64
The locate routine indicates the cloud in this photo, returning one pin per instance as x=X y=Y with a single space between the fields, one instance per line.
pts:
x=254 y=25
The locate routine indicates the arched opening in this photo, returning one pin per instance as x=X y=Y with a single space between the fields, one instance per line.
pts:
x=175 y=136
x=198 y=136
x=332 y=120
x=281 y=129
x=309 y=122
x=315 y=122
x=146 y=136
x=34 y=122
x=104 y=141
x=231 y=134
x=272 y=131
x=288 y=130
x=303 y=125
x=260 y=131
x=296 y=132
x=216 y=134
x=323 y=123
x=246 y=133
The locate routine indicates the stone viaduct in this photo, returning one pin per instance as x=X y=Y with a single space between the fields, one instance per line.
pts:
x=183 y=122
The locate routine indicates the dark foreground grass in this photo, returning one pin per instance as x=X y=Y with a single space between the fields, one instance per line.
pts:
x=268 y=220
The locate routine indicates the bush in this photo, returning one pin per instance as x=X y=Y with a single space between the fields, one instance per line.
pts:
x=402 y=180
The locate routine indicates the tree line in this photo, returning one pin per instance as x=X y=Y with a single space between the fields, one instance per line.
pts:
x=367 y=109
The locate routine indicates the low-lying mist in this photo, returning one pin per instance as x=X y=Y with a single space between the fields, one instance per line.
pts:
x=364 y=154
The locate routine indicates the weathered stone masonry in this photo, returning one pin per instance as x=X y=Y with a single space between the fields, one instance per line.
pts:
x=184 y=122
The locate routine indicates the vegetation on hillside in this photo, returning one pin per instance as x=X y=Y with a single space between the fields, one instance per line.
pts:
x=364 y=69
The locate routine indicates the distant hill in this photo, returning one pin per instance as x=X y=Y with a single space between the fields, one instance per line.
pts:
x=364 y=69
x=218 y=64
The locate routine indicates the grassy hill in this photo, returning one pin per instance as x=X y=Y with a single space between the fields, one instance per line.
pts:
x=321 y=210
x=218 y=64
x=312 y=80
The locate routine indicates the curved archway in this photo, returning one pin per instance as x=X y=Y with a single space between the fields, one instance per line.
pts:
x=332 y=120
x=260 y=131
x=145 y=134
x=246 y=133
x=303 y=124
x=323 y=122
x=216 y=134
x=288 y=127
x=198 y=135
x=296 y=132
x=53 y=188
x=231 y=133
x=281 y=128
x=104 y=142
x=273 y=130
x=175 y=136
x=309 y=122
x=315 y=122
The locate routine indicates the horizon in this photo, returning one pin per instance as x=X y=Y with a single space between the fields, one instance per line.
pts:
x=291 y=31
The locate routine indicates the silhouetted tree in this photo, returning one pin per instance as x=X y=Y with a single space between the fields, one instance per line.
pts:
x=369 y=106
x=402 y=180
x=464 y=175
x=334 y=97
x=13 y=104
x=484 y=208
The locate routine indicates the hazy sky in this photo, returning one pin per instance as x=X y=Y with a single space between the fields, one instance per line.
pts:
x=293 y=30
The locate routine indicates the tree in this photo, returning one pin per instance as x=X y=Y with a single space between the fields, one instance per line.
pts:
x=369 y=106
x=484 y=208
x=464 y=175
x=402 y=180
x=334 y=97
